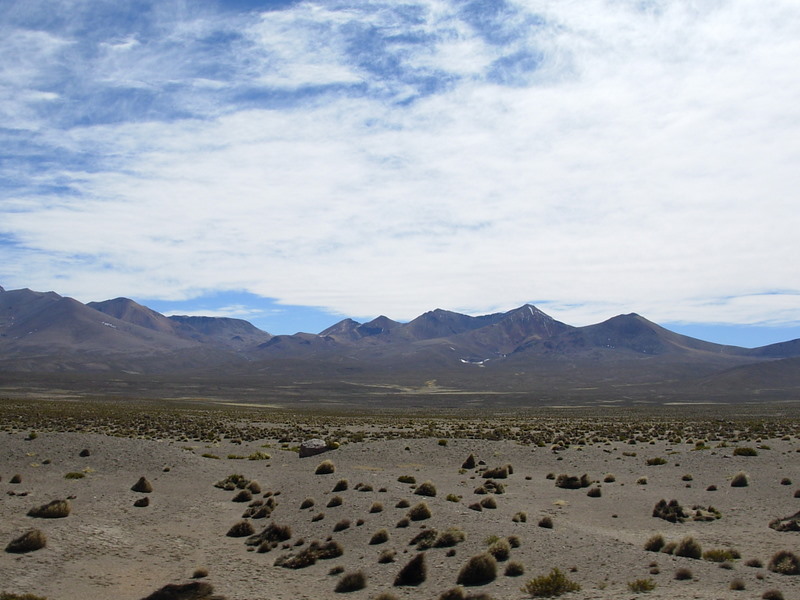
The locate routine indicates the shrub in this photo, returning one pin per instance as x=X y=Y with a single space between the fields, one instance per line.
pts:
x=546 y=522
x=379 y=537
x=307 y=503
x=30 y=541
x=449 y=538
x=514 y=569
x=387 y=556
x=254 y=487
x=243 y=496
x=426 y=489
x=57 y=509
x=785 y=563
x=520 y=517
x=689 y=548
x=670 y=511
x=326 y=467
x=74 y=475
x=489 y=502
x=142 y=486
x=453 y=498
x=335 y=501
x=402 y=503
x=84 y=453
x=386 y=596
x=655 y=543
x=142 y=502
x=786 y=481
x=376 y=507
x=7 y=596
x=754 y=562
x=610 y=478
x=478 y=570
x=501 y=550
x=496 y=473
x=740 y=480
x=342 y=525
x=651 y=462
x=16 y=478
x=419 y=512
x=720 y=555
x=200 y=573
x=737 y=584
x=745 y=451
x=772 y=595
x=548 y=586
x=183 y=591
x=407 y=479
x=351 y=582
x=469 y=463
x=594 y=492
x=241 y=529
x=404 y=522
x=572 y=482
x=414 y=573
x=340 y=486
x=641 y=585
x=442 y=442
x=683 y=574
x=513 y=541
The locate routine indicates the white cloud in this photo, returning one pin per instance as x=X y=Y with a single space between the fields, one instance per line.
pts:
x=648 y=164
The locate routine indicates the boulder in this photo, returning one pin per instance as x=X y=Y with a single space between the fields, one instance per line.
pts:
x=313 y=447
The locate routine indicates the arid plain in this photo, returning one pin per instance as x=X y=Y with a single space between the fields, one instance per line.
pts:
x=514 y=503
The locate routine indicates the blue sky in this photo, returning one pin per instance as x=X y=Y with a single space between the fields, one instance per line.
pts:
x=297 y=162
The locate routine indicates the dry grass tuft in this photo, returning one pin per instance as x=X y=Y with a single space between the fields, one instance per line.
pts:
x=326 y=467
x=351 y=582
x=414 y=573
x=57 y=509
x=553 y=584
x=478 y=570
x=29 y=541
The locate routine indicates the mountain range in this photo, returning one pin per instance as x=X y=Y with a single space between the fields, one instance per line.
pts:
x=519 y=356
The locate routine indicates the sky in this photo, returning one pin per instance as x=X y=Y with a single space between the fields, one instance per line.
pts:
x=295 y=163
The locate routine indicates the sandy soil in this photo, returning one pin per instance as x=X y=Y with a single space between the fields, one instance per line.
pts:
x=107 y=548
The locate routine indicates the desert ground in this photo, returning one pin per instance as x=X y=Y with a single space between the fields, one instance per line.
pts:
x=109 y=548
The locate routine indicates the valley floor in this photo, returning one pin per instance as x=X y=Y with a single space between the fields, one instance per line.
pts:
x=108 y=548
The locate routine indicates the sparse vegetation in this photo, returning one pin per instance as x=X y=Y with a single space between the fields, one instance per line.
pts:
x=638 y=586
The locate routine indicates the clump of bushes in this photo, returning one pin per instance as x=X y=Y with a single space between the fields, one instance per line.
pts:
x=553 y=584
x=56 y=509
x=785 y=563
x=641 y=585
x=721 y=555
x=651 y=462
x=670 y=511
x=572 y=482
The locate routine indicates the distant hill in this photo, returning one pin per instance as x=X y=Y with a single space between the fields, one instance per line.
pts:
x=522 y=354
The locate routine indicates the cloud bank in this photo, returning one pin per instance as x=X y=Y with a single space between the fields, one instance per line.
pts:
x=371 y=157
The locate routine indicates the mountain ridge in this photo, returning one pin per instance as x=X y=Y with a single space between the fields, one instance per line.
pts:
x=523 y=351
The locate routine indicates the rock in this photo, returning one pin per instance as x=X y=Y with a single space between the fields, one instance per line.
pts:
x=313 y=447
